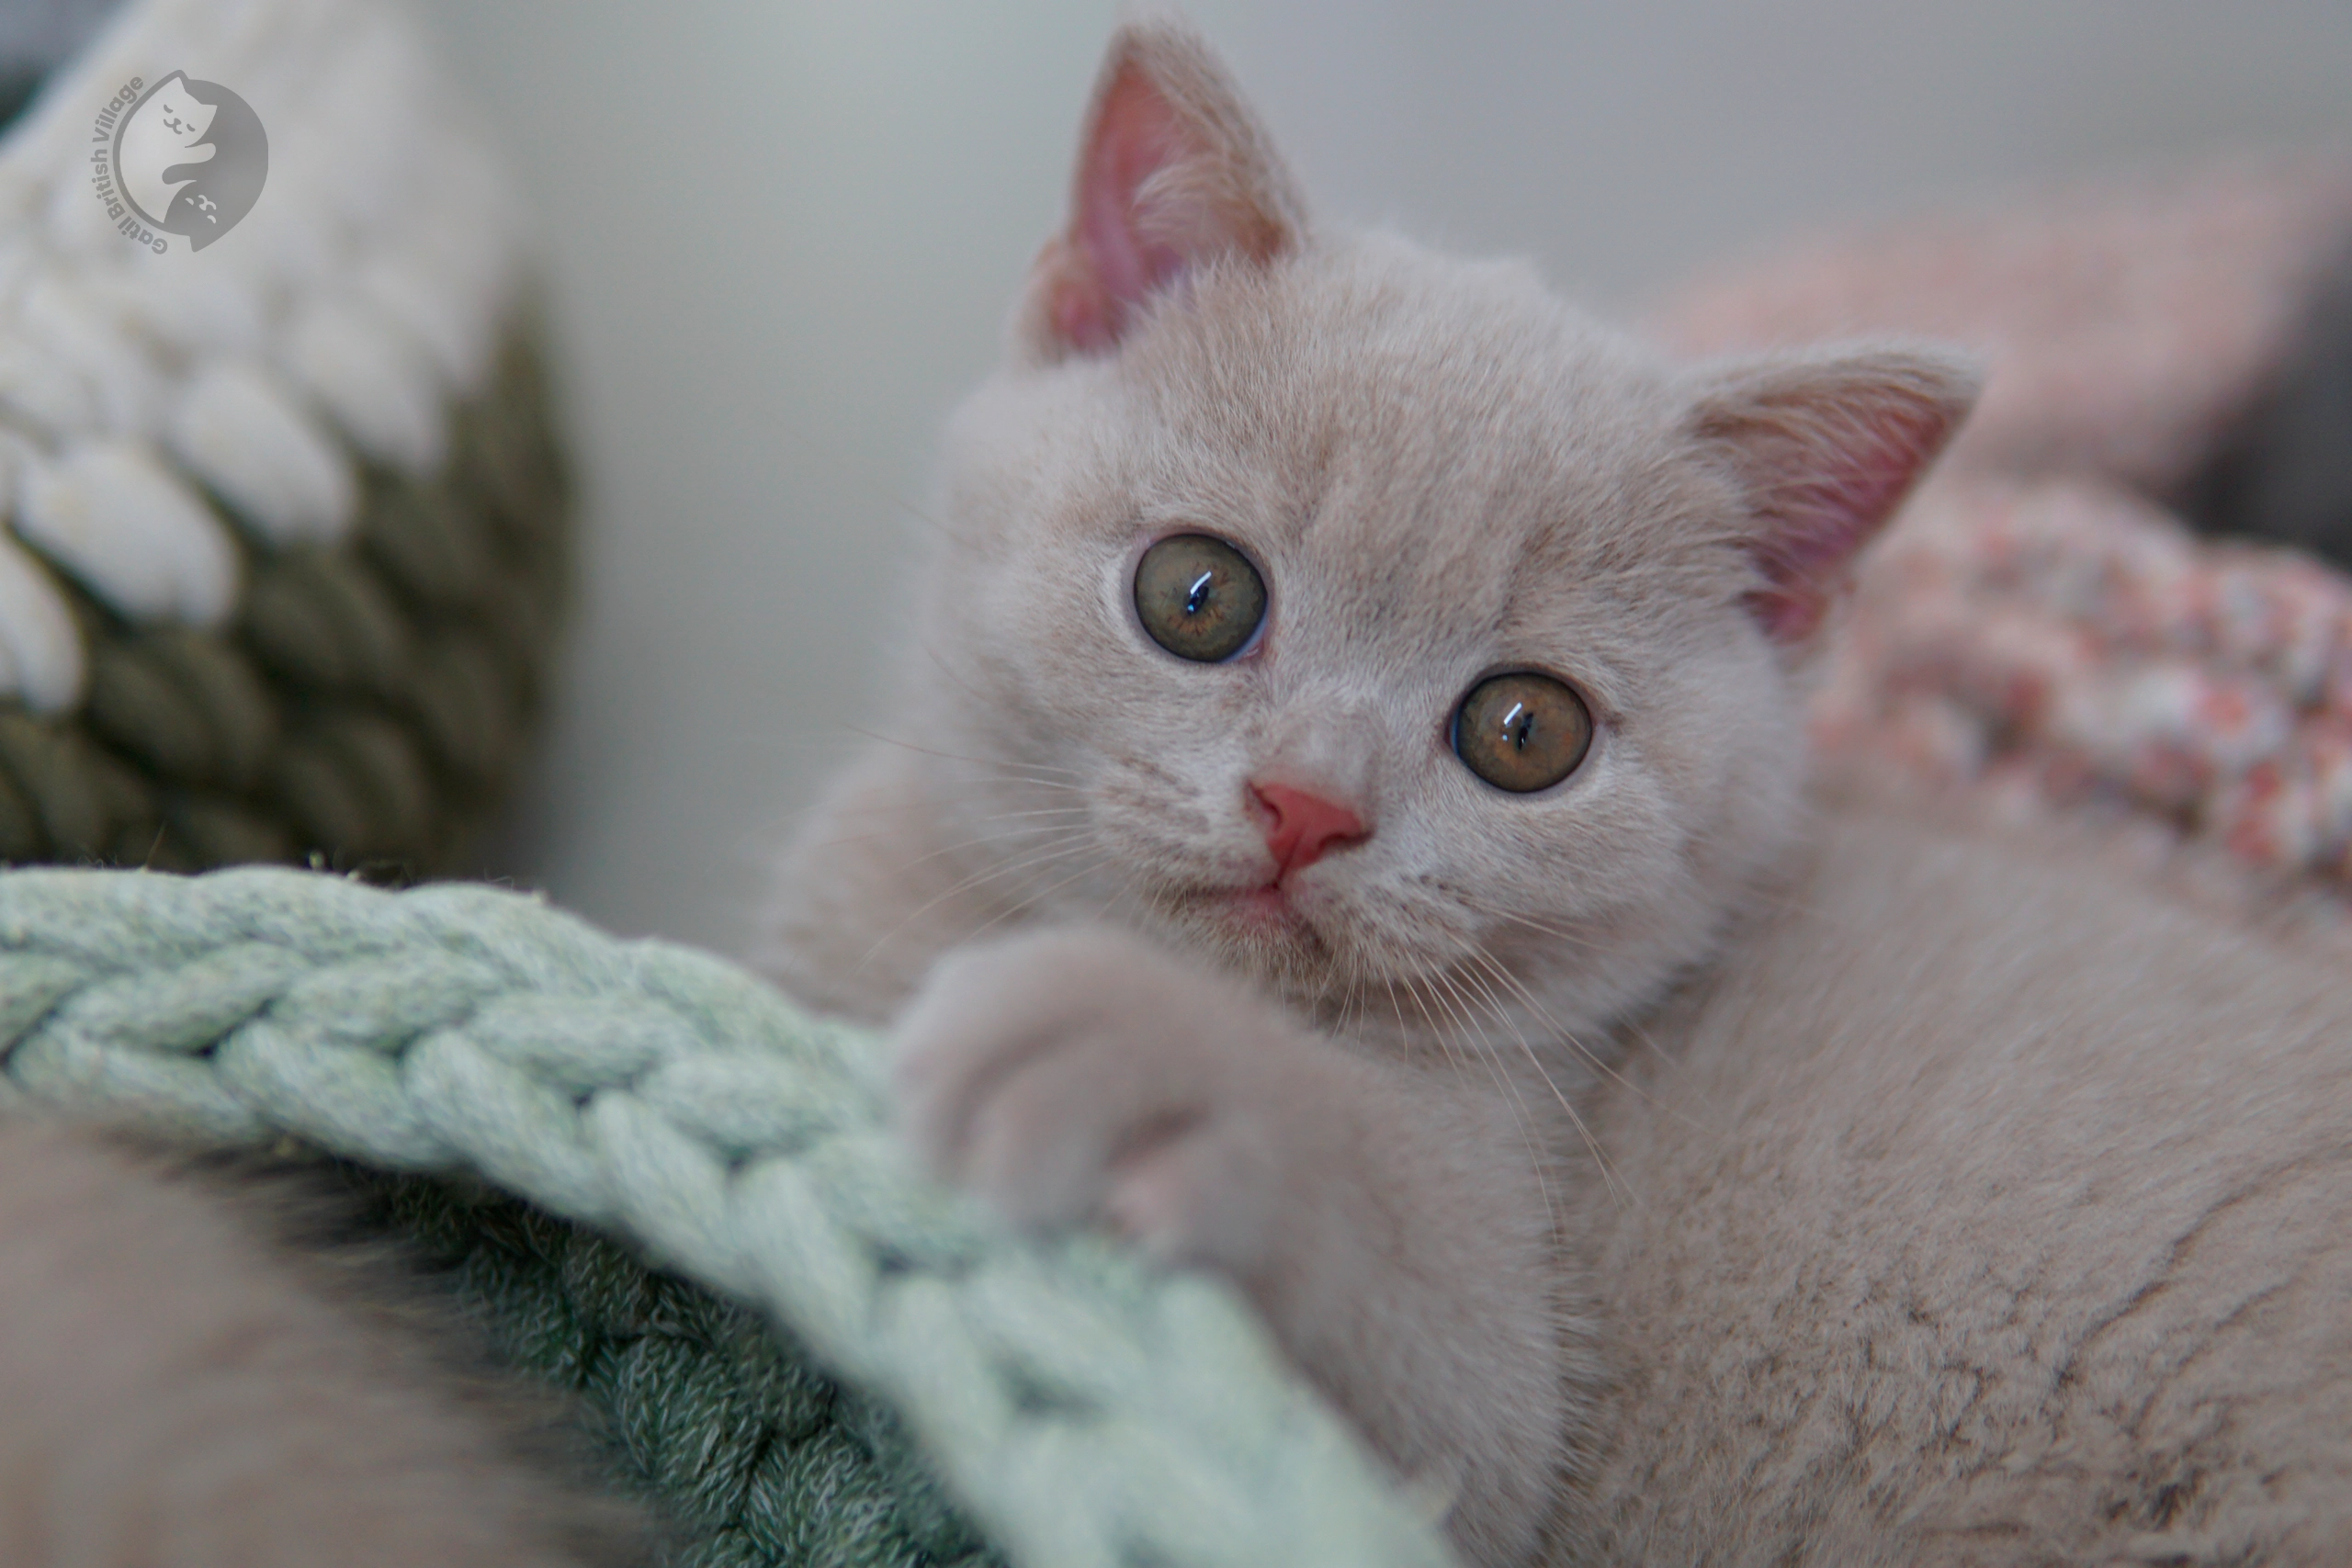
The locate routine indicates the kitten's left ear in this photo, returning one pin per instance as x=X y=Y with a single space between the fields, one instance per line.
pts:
x=1173 y=173
x=1826 y=445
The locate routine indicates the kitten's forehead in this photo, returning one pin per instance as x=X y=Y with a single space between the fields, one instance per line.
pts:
x=1449 y=451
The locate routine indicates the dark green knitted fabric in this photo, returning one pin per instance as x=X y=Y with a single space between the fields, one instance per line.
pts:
x=366 y=708
x=756 y=1459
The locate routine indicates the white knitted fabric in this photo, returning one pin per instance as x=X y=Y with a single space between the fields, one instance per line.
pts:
x=336 y=322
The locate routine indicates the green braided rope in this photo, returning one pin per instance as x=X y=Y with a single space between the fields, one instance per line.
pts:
x=756 y=1458
x=1083 y=1410
x=369 y=702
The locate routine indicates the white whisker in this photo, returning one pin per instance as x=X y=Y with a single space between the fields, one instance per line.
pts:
x=1501 y=972
x=1600 y=1159
x=1011 y=770
x=1026 y=904
x=1519 y=1112
x=1072 y=845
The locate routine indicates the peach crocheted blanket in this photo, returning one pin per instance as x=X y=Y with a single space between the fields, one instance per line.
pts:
x=2039 y=631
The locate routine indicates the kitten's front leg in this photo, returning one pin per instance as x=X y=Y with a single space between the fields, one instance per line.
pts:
x=1388 y=1223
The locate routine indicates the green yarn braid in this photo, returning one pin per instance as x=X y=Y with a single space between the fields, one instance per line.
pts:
x=759 y=1461
x=1079 y=1409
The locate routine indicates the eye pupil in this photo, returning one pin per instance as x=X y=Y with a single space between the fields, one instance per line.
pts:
x=1522 y=731
x=1198 y=597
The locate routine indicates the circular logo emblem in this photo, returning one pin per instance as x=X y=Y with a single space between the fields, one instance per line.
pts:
x=189 y=158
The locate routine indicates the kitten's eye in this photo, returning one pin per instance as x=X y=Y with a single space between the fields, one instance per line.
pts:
x=1522 y=732
x=1199 y=597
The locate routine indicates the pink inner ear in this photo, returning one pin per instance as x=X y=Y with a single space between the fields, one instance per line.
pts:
x=1859 y=473
x=1135 y=135
x=1170 y=176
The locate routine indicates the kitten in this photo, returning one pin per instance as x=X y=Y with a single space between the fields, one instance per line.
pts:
x=1349 y=828
x=164 y=145
x=193 y=157
x=179 y=1390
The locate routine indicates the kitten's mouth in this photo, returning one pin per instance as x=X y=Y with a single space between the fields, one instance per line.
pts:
x=1283 y=933
x=1267 y=905
x=1259 y=915
x=1273 y=910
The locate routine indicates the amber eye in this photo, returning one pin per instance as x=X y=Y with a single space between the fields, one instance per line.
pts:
x=1199 y=597
x=1522 y=732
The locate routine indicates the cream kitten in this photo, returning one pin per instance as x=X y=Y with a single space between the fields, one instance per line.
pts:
x=1357 y=696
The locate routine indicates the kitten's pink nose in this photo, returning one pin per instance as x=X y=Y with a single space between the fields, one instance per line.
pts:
x=1304 y=825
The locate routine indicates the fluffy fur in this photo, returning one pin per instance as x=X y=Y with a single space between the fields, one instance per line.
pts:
x=1673 y=1175
x=1977 y=1207
x=179 y=1390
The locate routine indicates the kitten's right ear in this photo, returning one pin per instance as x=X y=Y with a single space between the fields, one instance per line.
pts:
x=1173 y=173
x=1826 y=444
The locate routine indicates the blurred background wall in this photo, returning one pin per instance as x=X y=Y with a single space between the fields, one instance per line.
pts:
x=782 y=236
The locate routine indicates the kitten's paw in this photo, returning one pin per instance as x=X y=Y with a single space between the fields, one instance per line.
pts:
x=1384 y=1223
x=1088 y=1077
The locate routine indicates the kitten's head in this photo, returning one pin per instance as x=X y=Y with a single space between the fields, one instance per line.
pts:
x=174 y=114
x=1373 y=618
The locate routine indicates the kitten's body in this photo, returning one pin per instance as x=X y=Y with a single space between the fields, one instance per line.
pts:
x=1978 y=1207
x=1945 y=1203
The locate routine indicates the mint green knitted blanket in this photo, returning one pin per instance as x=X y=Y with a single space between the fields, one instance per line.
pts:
x=672 y=1192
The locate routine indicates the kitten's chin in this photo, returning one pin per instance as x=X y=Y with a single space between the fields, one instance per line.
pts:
x=1273 y=934
x=1260 y=916
x=1265 y=909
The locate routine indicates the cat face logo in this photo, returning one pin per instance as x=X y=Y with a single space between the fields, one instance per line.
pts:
x=189 y=158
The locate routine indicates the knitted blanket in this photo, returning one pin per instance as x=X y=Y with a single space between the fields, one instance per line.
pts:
x=828 y=1360
x=283 y=526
